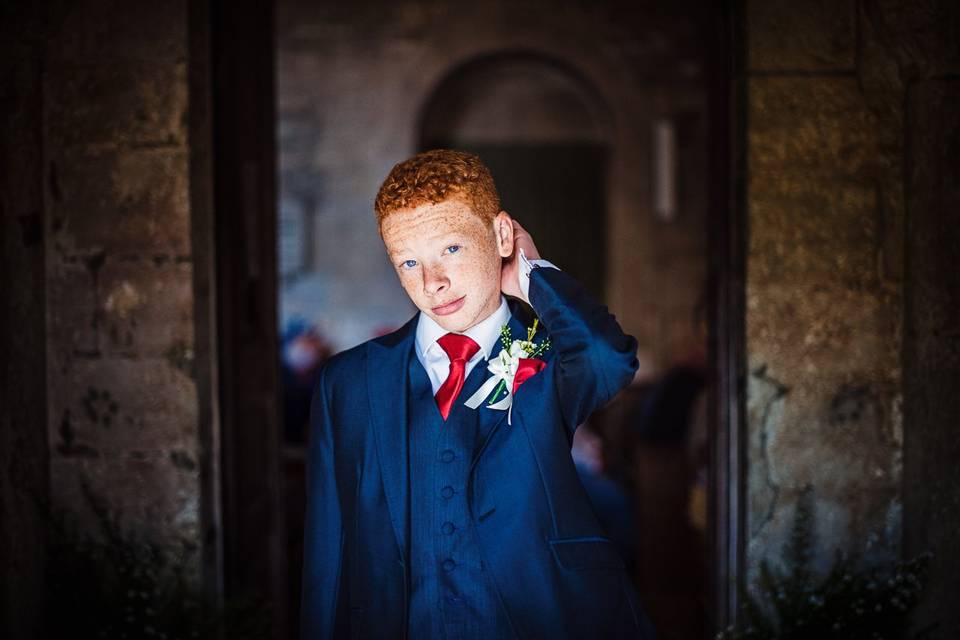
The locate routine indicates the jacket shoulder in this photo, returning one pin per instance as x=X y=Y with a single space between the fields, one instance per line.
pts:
x=347 y=369
x=345 y=362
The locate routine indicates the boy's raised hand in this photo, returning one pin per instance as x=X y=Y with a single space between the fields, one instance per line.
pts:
x=510 y=271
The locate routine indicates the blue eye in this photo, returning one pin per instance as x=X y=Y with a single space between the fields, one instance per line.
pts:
x=453 y=248
x=408 y=264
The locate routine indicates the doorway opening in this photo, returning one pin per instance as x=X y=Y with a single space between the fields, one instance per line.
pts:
x=545 y=135
x=618 y=163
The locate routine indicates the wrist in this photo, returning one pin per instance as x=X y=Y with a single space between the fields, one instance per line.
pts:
x=525 y=268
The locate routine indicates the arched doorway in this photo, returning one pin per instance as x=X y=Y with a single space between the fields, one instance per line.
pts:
x=546 y=135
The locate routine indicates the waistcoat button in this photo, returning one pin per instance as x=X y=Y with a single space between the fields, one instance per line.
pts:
x=447 y=528
x=447 y=455
x=447 y=491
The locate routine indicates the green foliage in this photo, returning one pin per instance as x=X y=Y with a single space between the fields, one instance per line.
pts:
x=115 y=584
x=849 y=603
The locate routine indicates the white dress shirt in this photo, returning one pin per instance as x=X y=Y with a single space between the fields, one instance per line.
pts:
x=485 y=333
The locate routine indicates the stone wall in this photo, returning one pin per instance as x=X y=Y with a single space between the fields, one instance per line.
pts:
x=824 y=300
x=99 y=166
x=833 y=93
x=123 y=406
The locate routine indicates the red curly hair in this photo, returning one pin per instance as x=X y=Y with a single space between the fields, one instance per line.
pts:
x=435 y=176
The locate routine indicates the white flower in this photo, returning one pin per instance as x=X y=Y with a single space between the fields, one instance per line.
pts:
x=504 y=369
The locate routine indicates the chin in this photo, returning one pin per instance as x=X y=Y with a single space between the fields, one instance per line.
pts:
x=459 y=321
x=451 y=323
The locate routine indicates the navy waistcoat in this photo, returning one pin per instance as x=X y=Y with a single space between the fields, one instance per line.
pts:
x=451 y=592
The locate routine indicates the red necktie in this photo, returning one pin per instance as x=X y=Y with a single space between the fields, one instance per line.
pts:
x=459 y=349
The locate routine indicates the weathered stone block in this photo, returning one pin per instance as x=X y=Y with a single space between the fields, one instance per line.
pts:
x=139 y=103
x=103 y=408
x=836 y=527
x=808 y=229
x=810 y=330
x=133 y=202
x=72 y=317
x=835 y=434
x=146 y=310
x=823 y=409
x=811 y=125
x=146 y=494
x=117 y=30
x=134 y=307
x=815 y=35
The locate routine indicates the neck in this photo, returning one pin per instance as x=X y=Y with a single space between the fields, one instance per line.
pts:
x=488 y=311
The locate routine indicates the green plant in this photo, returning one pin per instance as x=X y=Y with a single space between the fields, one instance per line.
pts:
x=849 y=602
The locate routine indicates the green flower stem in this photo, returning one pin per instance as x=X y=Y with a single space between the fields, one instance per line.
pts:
x=496 y=392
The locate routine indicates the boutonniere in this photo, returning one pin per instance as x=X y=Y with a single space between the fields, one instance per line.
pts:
x=515 y=363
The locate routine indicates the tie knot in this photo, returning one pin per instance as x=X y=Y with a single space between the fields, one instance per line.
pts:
x=458 y=346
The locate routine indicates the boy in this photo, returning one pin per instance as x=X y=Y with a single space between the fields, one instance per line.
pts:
x=442 y=498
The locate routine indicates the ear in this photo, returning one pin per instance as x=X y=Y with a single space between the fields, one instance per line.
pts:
x=503 y=230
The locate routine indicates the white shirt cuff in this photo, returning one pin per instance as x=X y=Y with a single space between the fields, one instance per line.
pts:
x=526 y=266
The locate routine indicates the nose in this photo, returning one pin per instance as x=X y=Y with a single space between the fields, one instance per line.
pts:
x=435 y=280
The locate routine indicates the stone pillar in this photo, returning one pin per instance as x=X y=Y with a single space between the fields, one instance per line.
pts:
x=852 y=290
x=122 y=394
x=824 y=302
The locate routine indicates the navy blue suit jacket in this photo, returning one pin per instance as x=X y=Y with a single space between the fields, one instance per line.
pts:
x=555 y=570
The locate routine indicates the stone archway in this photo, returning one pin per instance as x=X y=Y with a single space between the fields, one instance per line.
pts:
x=546 y=135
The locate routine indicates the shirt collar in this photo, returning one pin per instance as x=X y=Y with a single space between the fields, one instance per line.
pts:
x=485 y=333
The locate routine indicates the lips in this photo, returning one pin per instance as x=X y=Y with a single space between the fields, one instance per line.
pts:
x=450 y=307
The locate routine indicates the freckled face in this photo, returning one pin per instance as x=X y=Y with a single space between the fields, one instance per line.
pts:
x=448 y=261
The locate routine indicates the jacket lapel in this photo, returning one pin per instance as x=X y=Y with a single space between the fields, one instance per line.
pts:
x=492 y=419
x=389 y=409
x=388 y=388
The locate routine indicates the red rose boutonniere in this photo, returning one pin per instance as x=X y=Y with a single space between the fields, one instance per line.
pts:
x=513 y=366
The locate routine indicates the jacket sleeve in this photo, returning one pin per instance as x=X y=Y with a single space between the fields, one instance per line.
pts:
x=595 y=359
x=323 y=542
